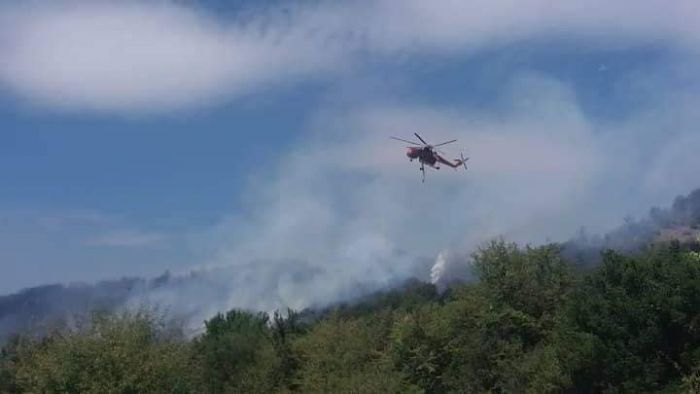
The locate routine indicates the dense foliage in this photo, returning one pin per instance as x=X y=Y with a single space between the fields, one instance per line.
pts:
x=531 y=323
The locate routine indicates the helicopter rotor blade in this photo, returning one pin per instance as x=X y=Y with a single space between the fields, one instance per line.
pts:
x=421 y=140
x=410 y=142
x=445 y=143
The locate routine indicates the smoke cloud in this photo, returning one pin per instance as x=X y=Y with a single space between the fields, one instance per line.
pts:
x=346 y=214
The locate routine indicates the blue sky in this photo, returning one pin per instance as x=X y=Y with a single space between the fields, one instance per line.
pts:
x=139 y=137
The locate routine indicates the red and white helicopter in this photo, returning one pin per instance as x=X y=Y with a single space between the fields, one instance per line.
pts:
x=428 y=154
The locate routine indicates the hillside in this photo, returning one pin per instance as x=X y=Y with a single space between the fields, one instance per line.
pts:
x=531 y=322
x=38 y=308
x=680 y=221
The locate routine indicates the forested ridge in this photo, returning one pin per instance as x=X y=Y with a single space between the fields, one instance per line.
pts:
x=34 y=309
x=532 y=322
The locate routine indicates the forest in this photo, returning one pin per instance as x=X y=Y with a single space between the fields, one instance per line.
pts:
x=532 y=321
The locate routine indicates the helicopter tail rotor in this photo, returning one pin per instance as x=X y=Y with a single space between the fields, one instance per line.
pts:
x=463 y=160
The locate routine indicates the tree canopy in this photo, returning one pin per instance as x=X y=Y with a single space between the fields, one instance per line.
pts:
x=531 y=322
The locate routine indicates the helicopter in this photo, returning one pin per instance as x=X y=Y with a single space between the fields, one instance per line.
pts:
x=428 y=154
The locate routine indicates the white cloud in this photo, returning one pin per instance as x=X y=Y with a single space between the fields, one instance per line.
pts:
x=453 y=24
x=143 y=56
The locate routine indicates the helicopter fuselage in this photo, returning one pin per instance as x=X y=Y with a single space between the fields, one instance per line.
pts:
x=424 y=155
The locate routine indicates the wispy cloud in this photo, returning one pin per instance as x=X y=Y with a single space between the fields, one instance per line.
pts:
x=126 y=238
x=49 y=246
x=143 y=57
x=61 y=221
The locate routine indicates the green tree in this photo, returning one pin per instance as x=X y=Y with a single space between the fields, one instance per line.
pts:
x=500 y=334
x=419 y=347
x=348 y=356
x=235 y=353
x=642 y=312
x=533 y=280
x=9 y=358
x=127 y=353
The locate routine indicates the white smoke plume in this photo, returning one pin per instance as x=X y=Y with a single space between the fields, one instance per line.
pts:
x=345 y=213
x=437 y=272
x=448 y=269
